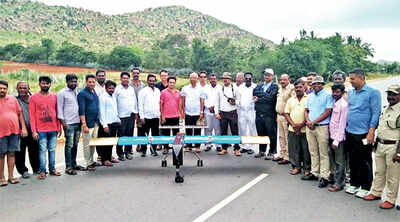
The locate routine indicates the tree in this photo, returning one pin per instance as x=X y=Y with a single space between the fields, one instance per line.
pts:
x=122 y=58
x=49 y=47
x=202 y=58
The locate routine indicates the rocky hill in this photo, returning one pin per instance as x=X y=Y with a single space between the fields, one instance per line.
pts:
x=28 y=22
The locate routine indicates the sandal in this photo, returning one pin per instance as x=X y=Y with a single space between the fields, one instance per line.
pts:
x=91 y=168
x=55 y=173
x=237 y=153
x=70 y=171
x=3 y=183
x=42 y=176
x=13 y=180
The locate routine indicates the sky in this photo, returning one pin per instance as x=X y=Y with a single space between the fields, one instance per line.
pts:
x=375 y=21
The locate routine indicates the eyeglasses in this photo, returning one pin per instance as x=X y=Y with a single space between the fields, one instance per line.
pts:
x=135 y=72
x=203 y=76
x=247 y=78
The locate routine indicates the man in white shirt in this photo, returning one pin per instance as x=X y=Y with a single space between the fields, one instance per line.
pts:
x=226 y=112
x=149 y=111
x=100 y=82
x=211 y=92
x=192 y=107
x=127 y=110
x=109 y=120
x=247 y=113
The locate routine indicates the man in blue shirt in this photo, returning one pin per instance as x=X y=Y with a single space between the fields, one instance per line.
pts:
x=89 y=114
x=317 y=115
x=362 y=120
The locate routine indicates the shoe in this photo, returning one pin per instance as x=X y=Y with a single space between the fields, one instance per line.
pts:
x=352 y=189
x=91 y=168
x=13 y=180
x=398 y=207
x=208 y=148
x=259 y=155
x=98 y=158
x=188 y=149
x=25 y=175
x=323 y=183
x=331 y=179
x=277 y=159
x=113 y=160
x=138 y=149
x=250 y=151
x=3 y=183
x=70 y=171
x=78 y=167
x=143 y=154
x=244 y=150
x=129 y=156
x=55 y=173
x=121 y=158
x=334 y=188
x=223 y=152
x=154 y=153
x=42 y=176
x=309 y=176
x=238 y=153
x=96 y=164
x=295 y=171
x=107 y=163
x=362 y=193
x=283 y=162
x=219 y=149
x=269 y=156
x=386 y=205
x=371 y=197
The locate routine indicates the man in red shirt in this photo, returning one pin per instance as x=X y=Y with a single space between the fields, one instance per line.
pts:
x=169 y=103
x=45 y=125
x=11 y=118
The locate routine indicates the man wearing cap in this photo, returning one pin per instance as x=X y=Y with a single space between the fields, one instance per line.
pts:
x=387 y=156
x=226 y=112
x=265 y=101
x=286 y=90
x=318 y=110
x=362 y=120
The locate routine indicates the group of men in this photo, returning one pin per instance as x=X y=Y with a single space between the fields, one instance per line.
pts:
x=324 y=134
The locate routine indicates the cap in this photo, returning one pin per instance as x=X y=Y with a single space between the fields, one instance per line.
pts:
x=226 y=75
x=318 y=79
x=268 y=71
x=394 y=88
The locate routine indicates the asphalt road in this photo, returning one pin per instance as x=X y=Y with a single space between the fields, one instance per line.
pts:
x=140 y=190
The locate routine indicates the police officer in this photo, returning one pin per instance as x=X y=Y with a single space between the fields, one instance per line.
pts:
x=387 y=155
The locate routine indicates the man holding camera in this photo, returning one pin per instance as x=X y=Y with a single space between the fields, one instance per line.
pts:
x=226 y=112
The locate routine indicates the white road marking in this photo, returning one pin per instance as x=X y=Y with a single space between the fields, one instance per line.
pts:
x=229 y=199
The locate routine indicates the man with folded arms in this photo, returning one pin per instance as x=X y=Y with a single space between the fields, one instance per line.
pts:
x=337 y=127
x=387 y=156
x=363 y=116
x=297 y=141
x=317 y=115
x=109 y=120
x=11 y=118
x=45 y=125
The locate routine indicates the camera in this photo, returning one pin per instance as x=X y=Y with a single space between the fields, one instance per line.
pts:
x=231 y=100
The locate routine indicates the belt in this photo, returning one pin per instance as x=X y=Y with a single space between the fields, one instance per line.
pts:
x=233 y=111
x=386 y=142
x=321 y=124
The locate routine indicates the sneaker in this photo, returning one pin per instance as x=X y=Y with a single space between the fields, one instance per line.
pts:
x=219 y=149
x=269 y=156
x=362 y=193
x=121 y=158
x=352 y=189
x=208 y=148
x=129 y=156
x=259 y=155
x=25 y=175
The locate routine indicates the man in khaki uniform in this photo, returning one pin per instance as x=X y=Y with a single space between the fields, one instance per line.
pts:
x=285 y=92
x=387 y=155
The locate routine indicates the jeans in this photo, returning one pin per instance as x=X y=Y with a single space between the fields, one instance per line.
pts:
x=47 y=142
x=72 y=135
